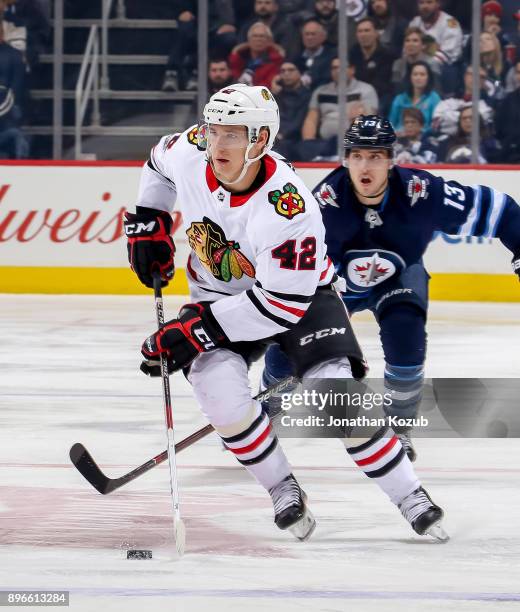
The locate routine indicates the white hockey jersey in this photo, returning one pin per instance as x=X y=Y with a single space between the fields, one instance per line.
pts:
x=447 y=33
x=258 y=257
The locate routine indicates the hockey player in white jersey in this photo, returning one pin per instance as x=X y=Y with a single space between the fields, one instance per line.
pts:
x=258 y=273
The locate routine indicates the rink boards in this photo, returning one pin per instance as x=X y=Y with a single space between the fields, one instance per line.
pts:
x=61 y=232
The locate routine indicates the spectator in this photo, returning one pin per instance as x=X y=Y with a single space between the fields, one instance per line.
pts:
x=487 y=89
x=508 y=122
x=414 y=50
x=326 y=13
x=320 y=128
x=373 y=63
x=12 y=71
x=30 y=28
x=492 y=61
x=257 y=61
x=419 y=94
x=14 y=33
x=13 y=144
x=268 y=13
x=457 y=149
x=491 y=13
x=446 y=114
x=219 y=75
x=293 y=100
x=314 y=60
x=444 y=28
x=390 y=28
x=414 y=147
x=181 y=66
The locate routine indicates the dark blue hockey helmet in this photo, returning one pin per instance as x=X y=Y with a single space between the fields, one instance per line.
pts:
x=370 y=132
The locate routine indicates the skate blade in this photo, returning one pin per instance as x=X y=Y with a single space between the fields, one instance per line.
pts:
x=304 y=528
x=437 y=532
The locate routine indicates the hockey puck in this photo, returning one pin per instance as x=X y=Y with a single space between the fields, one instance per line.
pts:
x=138 y=554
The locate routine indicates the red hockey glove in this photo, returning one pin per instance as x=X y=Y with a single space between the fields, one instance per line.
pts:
x=150 y=245
x=181 y=340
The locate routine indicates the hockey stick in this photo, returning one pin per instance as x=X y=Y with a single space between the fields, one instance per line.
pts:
x=89 y=469
x=179 y=530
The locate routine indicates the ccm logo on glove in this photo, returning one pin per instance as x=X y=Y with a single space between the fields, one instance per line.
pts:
x=140 y=228
x=150 y=246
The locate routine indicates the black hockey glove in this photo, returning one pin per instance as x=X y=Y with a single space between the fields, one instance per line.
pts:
x=150 y=245
x=515 y=262
x=181 y=340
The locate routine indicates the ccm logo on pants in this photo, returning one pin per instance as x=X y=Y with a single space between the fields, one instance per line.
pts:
x=322 y=333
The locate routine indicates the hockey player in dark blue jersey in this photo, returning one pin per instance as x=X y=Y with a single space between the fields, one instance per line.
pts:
x=379 y=221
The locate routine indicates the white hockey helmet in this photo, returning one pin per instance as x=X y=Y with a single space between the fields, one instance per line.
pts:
x=251 y=106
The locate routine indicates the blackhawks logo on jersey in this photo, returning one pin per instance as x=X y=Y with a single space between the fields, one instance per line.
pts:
x=222 y=257
x=287 y=203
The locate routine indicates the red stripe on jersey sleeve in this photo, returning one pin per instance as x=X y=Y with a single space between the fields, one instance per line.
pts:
x=324 y=273
x=295 y=311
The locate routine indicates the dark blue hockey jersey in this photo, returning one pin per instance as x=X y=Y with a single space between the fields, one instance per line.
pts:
x=371 y=245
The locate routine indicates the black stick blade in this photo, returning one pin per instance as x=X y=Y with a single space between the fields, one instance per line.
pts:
x=89 y=469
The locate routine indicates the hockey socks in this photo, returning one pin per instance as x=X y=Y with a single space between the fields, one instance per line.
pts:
x=258 y=450
x=384 y=459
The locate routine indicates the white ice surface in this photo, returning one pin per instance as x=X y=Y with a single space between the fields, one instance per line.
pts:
x=68 y=372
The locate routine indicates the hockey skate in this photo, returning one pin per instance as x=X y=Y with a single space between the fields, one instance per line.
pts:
x=405 y=438
x=423 y=515
x=290 y=509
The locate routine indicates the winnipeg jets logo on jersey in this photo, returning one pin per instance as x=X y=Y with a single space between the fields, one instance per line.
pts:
x=366 y=269
x=222 y=257
x=326 y=196
x=417 y=189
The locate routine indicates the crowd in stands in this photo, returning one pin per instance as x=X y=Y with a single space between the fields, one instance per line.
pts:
x=24 y=33
x=408 y=60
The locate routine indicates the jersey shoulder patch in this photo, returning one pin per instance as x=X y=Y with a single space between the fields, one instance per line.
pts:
x=287 y=201
x=329 y=191
x=193 y=135
x=417 y=184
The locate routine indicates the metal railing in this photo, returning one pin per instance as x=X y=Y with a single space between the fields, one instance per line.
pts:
x=87 y=86
x=105 y=14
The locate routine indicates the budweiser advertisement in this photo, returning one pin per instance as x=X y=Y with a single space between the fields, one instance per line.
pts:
x=61 y=230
